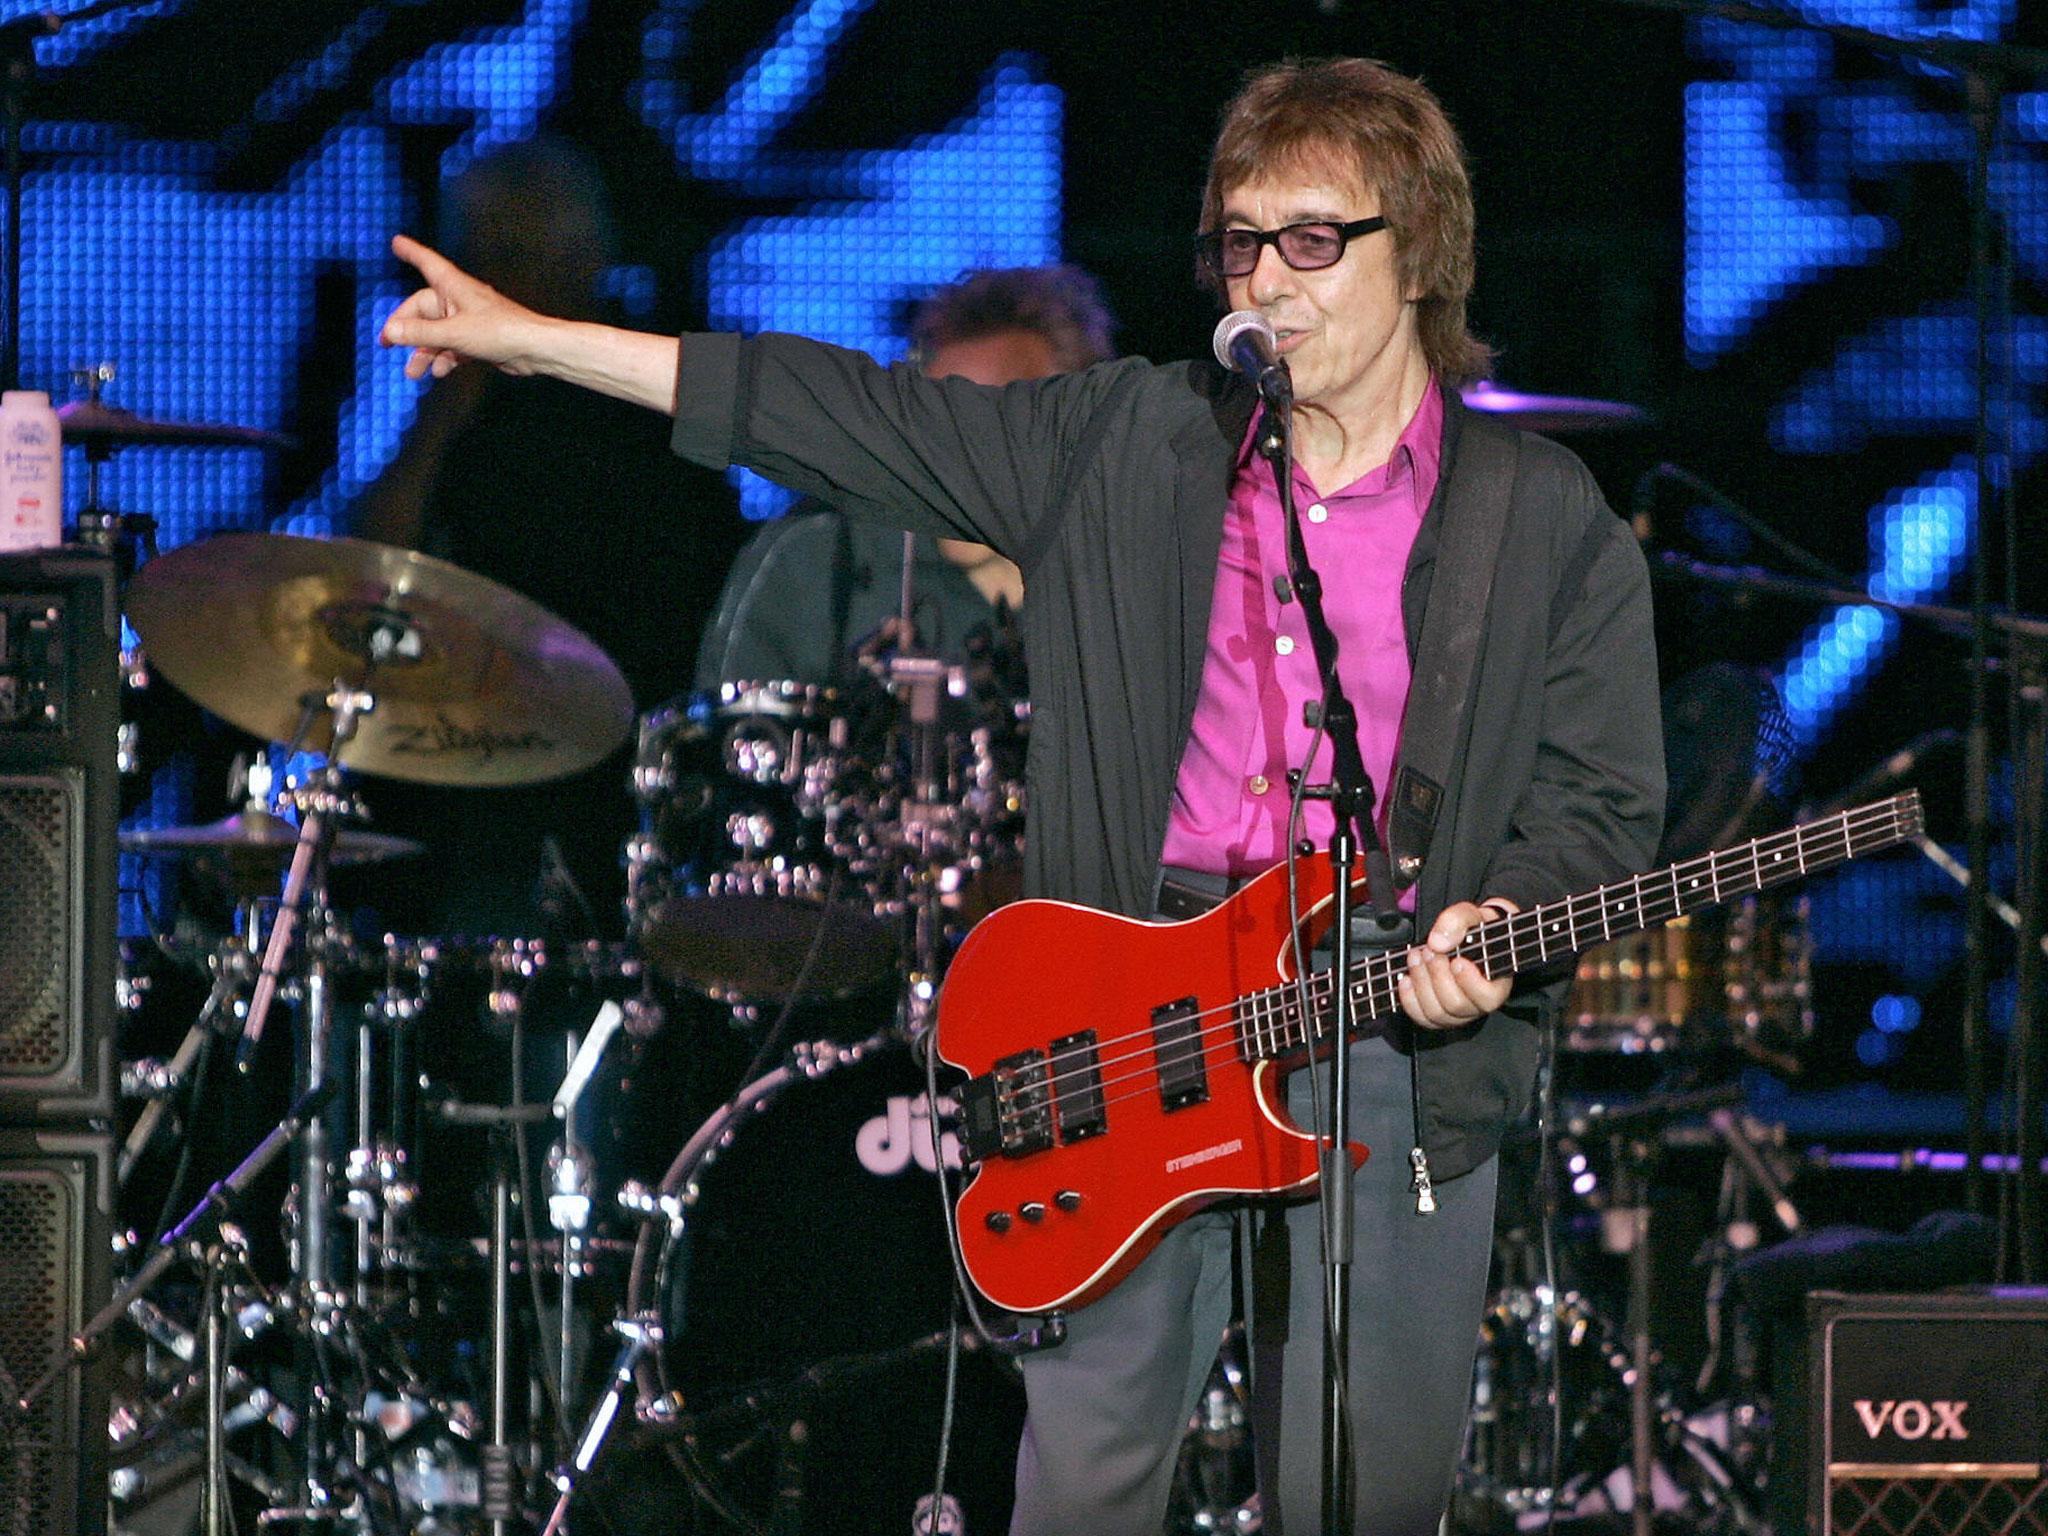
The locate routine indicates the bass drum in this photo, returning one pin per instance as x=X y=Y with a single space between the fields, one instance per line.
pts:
x=1504 y=1477
x=805 y=1296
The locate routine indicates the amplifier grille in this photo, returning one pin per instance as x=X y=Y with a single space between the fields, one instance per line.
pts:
x=37 y=831
x=1946 y=1505
x=36 y=1284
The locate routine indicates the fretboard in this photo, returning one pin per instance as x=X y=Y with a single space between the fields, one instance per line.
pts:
x=1270 y=1021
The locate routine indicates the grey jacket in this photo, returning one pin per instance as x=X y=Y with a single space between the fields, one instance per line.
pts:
x=1559 y=786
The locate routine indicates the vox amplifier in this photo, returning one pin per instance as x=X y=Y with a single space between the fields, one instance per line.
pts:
x=1930 y=1413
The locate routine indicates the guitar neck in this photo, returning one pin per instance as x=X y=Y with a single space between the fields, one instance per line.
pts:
x=1271 y=1020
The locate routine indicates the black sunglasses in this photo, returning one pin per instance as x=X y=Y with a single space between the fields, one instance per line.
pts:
x=1304 y=247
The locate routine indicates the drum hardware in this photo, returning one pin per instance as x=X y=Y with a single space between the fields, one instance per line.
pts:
x=640 y=1334
x=753 y=844
x=1214 y=1484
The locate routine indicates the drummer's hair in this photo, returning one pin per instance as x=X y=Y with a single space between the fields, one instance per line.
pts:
x=1062 y=304
x=1387 y=133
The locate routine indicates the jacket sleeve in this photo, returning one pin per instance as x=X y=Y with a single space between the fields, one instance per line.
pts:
x=944 y=457
x=1594 y=807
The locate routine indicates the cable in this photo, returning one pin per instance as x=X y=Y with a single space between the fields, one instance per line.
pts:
x=1547 y=1204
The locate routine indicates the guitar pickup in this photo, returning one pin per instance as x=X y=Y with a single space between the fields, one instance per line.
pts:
x=1177 y=1048
x=1008 y=1111
x=1077 y=1092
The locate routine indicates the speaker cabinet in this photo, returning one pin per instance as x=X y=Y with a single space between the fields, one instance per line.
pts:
x=54 y=1233
x=59 y=810
x=1930 y=1413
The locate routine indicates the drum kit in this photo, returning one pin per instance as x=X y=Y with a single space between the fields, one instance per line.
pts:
x=712 y=1138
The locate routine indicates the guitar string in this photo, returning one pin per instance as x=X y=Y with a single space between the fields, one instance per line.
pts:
x=1209 y=1051
x=1479 y=944
x=1489 y=944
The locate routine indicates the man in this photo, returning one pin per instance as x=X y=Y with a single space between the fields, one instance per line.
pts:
x=810 y=588
x=1168 y=679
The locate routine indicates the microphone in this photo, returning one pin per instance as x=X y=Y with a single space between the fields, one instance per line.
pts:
x=1245 y=343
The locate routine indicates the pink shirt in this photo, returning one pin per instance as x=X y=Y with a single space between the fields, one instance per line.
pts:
x=1230 y=800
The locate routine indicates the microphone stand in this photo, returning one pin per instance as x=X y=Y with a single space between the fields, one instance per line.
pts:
x=200 y=1223
x=1350 y=795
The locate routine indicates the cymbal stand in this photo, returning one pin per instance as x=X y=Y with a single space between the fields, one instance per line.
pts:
x=233 y=962
x=304 y=902
x=1629 y=1222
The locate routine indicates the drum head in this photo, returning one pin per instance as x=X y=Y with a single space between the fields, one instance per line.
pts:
x=813 y=1284
x=748 y=948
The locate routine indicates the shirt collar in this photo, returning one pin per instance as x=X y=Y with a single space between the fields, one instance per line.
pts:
x=1422 y=439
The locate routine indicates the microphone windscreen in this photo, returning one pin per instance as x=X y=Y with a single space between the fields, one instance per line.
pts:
x=1234 y=325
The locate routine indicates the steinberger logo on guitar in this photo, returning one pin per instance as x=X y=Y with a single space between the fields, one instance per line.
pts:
x=1122 y=1074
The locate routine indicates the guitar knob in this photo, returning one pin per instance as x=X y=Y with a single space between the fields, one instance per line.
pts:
x=998 y=1221
x=1032 y=1210
x=1068 y=1199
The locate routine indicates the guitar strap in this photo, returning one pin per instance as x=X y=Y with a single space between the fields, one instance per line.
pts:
x=1473 y=520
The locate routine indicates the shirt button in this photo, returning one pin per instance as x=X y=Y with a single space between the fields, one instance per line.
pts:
x=1258 y=784
x=1318 y=513
x=1284 y=645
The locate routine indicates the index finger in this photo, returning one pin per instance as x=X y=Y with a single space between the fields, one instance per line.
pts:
x=431 y=264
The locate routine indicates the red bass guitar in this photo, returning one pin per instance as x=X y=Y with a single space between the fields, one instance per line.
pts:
x=1124 y=1074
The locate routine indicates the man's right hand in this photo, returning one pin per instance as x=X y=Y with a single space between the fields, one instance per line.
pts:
x=457 y=319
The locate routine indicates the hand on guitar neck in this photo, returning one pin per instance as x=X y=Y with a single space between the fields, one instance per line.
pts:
x=1441 y=988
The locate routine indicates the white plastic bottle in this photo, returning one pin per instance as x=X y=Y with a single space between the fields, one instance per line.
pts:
x=31 y=472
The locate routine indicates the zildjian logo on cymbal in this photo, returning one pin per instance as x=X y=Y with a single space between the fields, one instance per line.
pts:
x=442 y=737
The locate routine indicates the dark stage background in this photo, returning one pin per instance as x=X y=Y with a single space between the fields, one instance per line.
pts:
x=1758 y=238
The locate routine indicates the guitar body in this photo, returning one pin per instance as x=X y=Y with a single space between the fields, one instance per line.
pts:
x=1058 y=1227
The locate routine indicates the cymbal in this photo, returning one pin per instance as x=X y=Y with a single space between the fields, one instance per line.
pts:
x=95 y=424
x=1551 y=413
x=258 y=835
x=473 y=683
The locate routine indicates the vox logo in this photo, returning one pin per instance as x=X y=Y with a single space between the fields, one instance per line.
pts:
x=1913 y=1419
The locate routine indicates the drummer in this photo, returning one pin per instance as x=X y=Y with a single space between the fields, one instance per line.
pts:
x=995 y=327
x=567 y=498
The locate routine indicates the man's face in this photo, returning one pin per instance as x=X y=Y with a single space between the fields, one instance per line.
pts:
x=1347 y=331
x=1000 y=357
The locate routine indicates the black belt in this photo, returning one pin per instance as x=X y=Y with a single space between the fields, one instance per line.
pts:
x=1183 y=893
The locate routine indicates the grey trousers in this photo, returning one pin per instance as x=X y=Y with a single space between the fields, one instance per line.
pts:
x=1107 y=1408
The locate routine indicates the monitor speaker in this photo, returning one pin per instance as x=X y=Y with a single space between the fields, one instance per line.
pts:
x=55 y=1234
x=59 y=811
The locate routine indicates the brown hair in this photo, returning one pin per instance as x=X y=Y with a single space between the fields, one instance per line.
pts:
x=1062 y=304
x=1360 y=118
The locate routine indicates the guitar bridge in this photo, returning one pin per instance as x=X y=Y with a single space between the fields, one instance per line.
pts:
x=1177 y=1048
x=1008 y=1111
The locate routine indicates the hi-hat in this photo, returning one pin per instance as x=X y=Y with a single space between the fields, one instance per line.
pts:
x=259 y=837
x=473 y=683
x=1551 y=413
x=95 y=425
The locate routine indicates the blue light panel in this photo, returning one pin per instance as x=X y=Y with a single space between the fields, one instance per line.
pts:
x=1919 y=539
x=502 y=81
x=202 y=299
x=878 y=229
